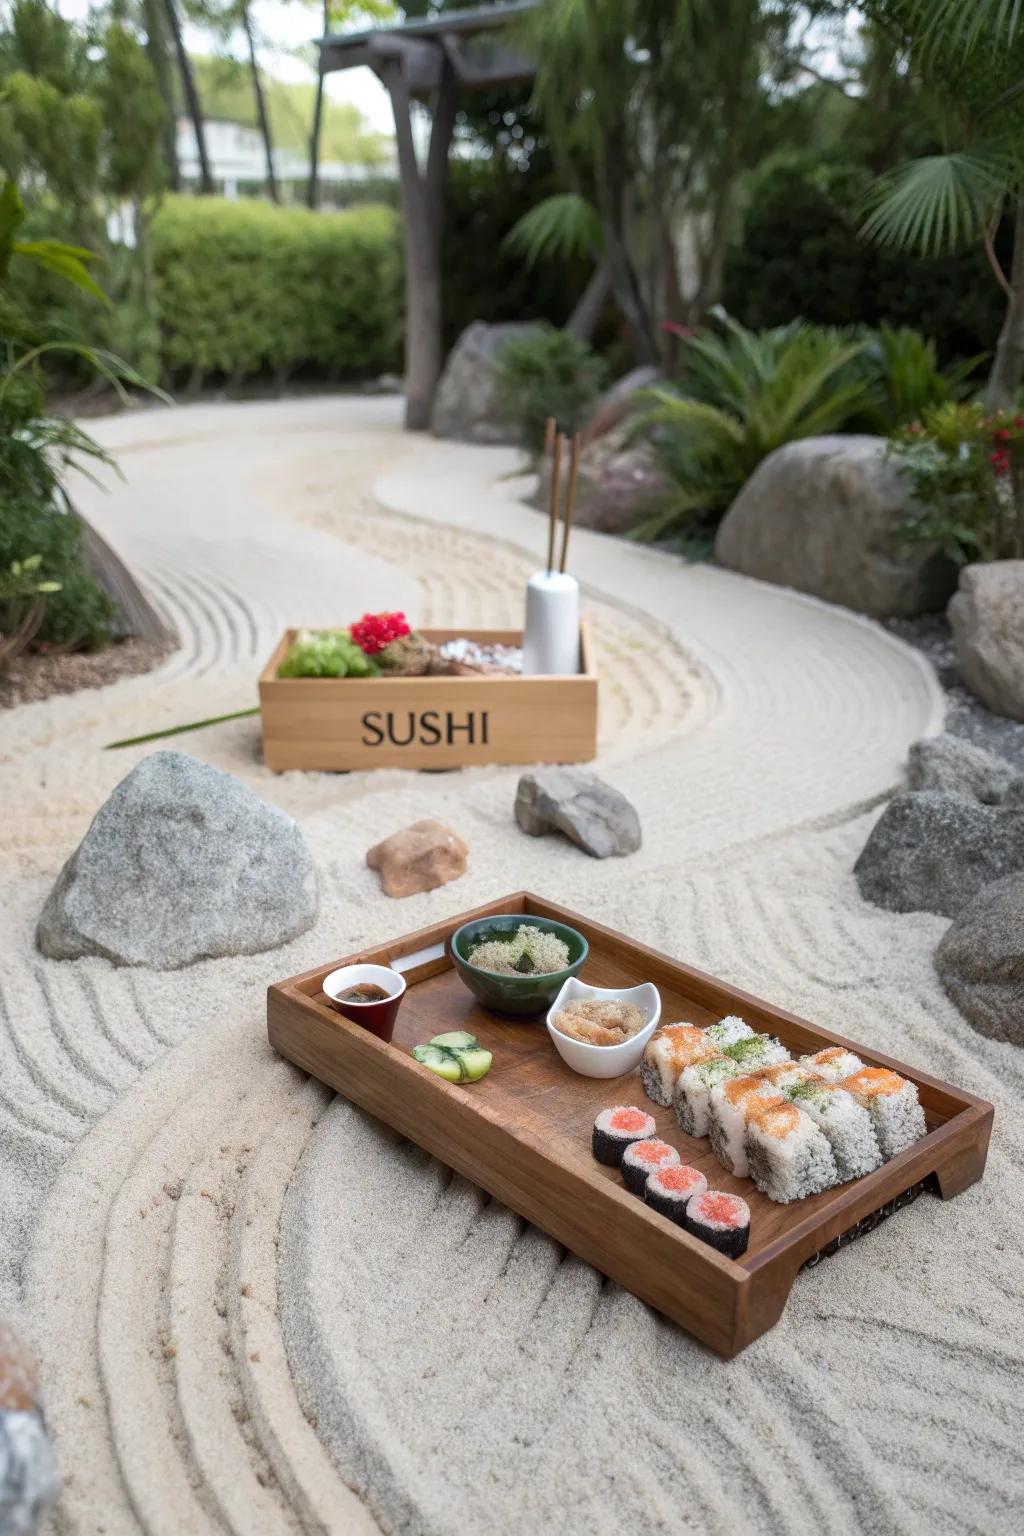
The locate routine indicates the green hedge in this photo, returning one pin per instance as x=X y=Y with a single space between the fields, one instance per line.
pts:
x=245 y=288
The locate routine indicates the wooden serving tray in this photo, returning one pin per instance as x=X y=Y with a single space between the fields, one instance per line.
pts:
x=523 y=1132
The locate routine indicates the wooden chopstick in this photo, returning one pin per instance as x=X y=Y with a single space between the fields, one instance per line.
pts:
x=570 y=496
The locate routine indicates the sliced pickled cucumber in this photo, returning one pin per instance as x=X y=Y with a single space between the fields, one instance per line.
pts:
x=445 y=1063
x=476 y=1063
x=455 y=1040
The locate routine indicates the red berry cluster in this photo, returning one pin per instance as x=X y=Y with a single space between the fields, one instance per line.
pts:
x=376 y=630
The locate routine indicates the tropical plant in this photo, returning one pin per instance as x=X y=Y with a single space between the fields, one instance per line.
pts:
x=972 y=57
x=740 y=396
x=906 y=378
x=23 y=592
x=966 y=467
x=547 y=373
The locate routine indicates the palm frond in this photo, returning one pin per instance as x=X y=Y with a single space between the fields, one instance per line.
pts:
x=563 y=226
x=966 y=23
x=937 y=204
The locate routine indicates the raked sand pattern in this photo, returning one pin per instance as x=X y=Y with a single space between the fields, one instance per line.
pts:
x=258 y=1311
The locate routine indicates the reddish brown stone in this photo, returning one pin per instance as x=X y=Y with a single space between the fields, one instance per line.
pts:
x=419 y=858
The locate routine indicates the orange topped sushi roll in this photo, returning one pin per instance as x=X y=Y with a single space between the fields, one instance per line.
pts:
x=892 y=1103
x=667 y=1054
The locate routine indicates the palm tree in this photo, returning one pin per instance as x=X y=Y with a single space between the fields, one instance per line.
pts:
x=973 y=57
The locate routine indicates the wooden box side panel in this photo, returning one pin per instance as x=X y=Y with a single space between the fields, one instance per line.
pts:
x=695 y=1287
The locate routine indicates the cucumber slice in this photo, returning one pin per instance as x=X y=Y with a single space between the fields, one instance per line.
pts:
x=445 y=1063
x=475 y=1063
x=455 y=1040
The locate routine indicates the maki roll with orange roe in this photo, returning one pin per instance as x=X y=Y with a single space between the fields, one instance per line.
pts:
x=669 y=1190
x=667 y=1054
x=720 y=1220
x=618 y=1128
x=644 y=1158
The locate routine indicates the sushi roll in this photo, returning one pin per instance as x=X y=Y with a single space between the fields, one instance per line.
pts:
x=669 y=1190
x=845 y=1125
x=833 y=1063
x=693 y=1090
x=669 y=1051
x=756 y=1051
x=728 y=1031
x=727 y=1117
x=643 y=1158
x=618 y=1128
x=720 y=1220
x=788 y=1156
x=892 y=1103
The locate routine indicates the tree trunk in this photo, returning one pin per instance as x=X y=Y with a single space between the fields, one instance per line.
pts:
x=156 y=52
x=582 y=323
x=261 y=106
x=188 y=83
x=1008 y=364
x=313 y=186
x=423 y=196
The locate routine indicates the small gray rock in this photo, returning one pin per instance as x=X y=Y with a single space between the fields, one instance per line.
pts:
x=182 y=862
x=980 y=960
x=987 y=619
x=954 y=766
x=823 y=515
x=467 y=405
x=930 y=852
x=587 y=810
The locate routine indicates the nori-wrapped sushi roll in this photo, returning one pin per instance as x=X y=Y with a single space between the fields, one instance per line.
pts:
x=693 y=1090
x=669 y=1190
x=728 y=1030
x=641 y=1159
x=833 y=1063
x=720 y=1220
x=618 y=1128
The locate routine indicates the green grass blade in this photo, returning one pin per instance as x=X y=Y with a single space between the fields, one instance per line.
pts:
x=179 y=730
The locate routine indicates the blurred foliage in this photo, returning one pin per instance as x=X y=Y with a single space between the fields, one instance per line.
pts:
x=244 y=288
x=966 y=467
x=547 y=374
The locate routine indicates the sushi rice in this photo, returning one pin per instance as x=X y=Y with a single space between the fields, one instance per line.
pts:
x=669 y=1190
x=720 y=1220
x=616 y=1129
x=833 y=1063
x=728 y=1107
x=845 y=1124
x=693 y=1091
x=892 y=1103
x=642 y=1159
x=669 y=1051
x=727 y=1031
x=788 y=1155
x=755 y=1051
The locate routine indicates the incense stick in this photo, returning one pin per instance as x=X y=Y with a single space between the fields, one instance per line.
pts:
x=556 y=485
x=570 y=497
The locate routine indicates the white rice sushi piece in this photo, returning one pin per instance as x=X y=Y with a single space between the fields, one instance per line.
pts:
x=727 y=1119
x=728 y=1030
x=833 y=1063
x=693 y=1092
x=789 y=1157
x=756 y=1051
x=845 y=1124
x=667 y=1054
x=892 y=1103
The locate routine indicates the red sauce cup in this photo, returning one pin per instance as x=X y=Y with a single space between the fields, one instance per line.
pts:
x=378 y=1016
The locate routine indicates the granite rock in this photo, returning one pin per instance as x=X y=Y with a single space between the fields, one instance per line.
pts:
x=987 y=619
x=182 y=862
x=954 y=766
x=590 y=812
x=467 y=405
x=619 y=477
x=419 y=858
x=980 y=960
x=932 y=852
x=823 y=515
x=29 y=1483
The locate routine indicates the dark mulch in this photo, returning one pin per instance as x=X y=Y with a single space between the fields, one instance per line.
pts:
x=39 y=675
x=965 y=716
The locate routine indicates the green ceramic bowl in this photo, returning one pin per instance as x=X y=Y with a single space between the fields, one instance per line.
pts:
x=518 y=996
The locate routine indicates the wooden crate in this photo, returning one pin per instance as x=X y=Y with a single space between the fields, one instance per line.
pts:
x=428 y=722
x=523 y=1132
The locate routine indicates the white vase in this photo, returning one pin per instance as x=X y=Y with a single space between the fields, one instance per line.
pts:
x=551 y=643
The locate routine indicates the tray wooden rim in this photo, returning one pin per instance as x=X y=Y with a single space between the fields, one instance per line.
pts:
x=759 y=1282
x=587 y=672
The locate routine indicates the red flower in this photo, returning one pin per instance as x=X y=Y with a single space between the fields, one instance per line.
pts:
x=376 y=630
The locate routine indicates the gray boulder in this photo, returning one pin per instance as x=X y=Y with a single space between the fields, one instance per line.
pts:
x=583 y=807
x=987 y=618
x=618 y=399
x=954 y=766
x=980 y=960
x=467 y=406
x=181 y=862
x=617 y=479
x=930 y=852
x=822 y=515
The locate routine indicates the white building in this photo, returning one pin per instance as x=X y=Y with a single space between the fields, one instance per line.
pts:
x=238 y=162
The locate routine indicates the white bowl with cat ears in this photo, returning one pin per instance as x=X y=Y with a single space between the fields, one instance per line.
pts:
x=605 y=1060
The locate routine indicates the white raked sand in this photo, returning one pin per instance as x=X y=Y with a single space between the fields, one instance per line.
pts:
x=248 y=1299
